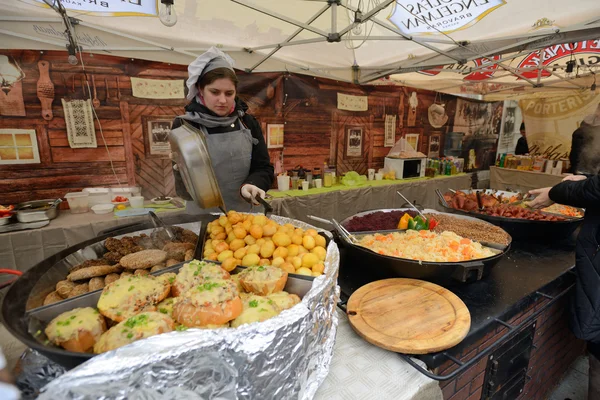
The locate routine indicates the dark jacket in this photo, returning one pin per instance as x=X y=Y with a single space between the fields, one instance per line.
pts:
x=522 y=146
x=585 y=307
x=583 y=138
x=261 y=172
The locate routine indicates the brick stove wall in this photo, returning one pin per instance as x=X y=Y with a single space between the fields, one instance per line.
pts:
x=555 y=350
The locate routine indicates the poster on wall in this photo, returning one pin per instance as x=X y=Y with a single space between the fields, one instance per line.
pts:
x=354 y=142
x=434 y=145
x=352 y=103
x=275 y=133
x=550 y=122
x=390 y=131
x=509 y=131
x=156 y=136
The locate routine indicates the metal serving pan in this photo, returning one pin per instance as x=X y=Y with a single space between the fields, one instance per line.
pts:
x=190 y=152
x=37 y=210
x=24 y=315
x=524 y=229
x=361 y=265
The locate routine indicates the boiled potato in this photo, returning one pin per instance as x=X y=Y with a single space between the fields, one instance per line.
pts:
x=247 y=224
x=309 y=259
x=304 y=271
x=230 y=264
x=250 y=260
x=289 y=268
x=208 y=252
x=249 y=240
x=282 y=239
x=296 y=262
x=293 y=250
x=297 y=239
x=277 y=261
x=237 y=244
x=225 y=255
x=302 y=250
x=267 y=249
x=318 y=268
x=253 y=249
x=260 y=220
x=234 y=218
x=308 y=242
x=223 y=221
x=264 y=261
x=240 y=232
x=319 y=252
x=256 y=231
x=269 y=230
x=240 y=253
x=281 y=252
x=221 y=247
x=311 y=232
x=320 y=241
x=261 y=241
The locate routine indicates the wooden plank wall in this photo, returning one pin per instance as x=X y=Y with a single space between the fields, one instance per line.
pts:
x=306 y=105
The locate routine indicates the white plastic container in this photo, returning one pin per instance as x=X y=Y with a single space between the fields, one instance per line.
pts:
x=78 y=202
x=136 y=201
x=103 y=208
x=98 y=196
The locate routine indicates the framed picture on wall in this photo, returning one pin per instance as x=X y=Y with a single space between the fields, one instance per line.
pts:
x=156 y=135
x=18 y=146
x=434 y=145
x=354 y=142
x=413 y=140
x=275 y=133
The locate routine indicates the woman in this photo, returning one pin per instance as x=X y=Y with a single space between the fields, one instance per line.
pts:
x=584 y=192
x=235 y=141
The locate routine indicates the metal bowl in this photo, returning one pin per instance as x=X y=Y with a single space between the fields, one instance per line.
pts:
x=37 y=210
x=190 y=152
x=5 y=220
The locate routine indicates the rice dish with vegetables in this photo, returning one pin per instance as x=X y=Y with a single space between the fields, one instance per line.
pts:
x=426 y=246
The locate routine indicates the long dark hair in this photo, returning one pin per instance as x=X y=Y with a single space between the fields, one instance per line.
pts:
x=218 y=73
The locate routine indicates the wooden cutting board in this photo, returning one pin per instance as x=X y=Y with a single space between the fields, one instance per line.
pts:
x=408 y=316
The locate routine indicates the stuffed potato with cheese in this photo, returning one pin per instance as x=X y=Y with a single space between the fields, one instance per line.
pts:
x=263 y=280
x=131 y=295
x=76 y=330
x=214 y=302
x=195 y=273
x=132 y=329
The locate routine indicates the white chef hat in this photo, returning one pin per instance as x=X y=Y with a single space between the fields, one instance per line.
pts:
x=212 y=59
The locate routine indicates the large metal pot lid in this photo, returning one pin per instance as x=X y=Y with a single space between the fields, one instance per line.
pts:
x=190 y=152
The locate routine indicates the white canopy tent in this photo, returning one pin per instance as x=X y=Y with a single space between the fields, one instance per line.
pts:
x=357 y=41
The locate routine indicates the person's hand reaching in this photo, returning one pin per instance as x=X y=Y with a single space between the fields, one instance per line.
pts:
x=542 y=198
x=249 y=192
x=574 y=178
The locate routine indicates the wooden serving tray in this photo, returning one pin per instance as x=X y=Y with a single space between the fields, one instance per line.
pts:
x=408 y=316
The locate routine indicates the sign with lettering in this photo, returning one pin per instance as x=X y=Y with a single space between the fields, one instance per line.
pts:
x=157 y=88
x=352 y=103
x=551 y=122
x=430 y=16
x=584 y=53
x=114 y=7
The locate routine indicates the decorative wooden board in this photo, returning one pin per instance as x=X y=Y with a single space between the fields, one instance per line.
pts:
x=45 y=90
x=408 y=316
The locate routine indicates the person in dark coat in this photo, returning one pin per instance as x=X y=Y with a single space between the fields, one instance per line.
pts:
x=522 y=146
x=585 y=154
x=584 y=192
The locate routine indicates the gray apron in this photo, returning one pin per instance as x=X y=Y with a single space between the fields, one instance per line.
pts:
x=231 y=155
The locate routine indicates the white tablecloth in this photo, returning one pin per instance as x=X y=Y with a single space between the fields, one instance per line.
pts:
x=360 y=370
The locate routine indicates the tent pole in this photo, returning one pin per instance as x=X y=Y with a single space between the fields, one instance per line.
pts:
x=333 y=6
x=285 y=44
x=563 y=78
x=292 y=36
x=281 y=17
x=405 y=36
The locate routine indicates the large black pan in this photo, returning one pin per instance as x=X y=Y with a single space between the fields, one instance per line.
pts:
x=523 y=229
x=363 y=266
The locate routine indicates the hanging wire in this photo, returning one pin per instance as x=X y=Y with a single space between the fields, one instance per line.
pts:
x=72 y=37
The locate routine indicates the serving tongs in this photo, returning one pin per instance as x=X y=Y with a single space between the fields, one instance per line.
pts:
x=162 y=233
x=267 y=206
x=412 y=206
x=442 y=199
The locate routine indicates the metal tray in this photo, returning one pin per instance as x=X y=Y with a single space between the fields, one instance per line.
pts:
x=362 y=266
x=190 y=152
x=29 y=211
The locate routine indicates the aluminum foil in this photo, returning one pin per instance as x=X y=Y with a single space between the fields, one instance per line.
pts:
x=285 y=357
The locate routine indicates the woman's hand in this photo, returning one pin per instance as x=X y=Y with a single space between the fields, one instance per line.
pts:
x=542 y=198
x=249 y=192
x=574 y=178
